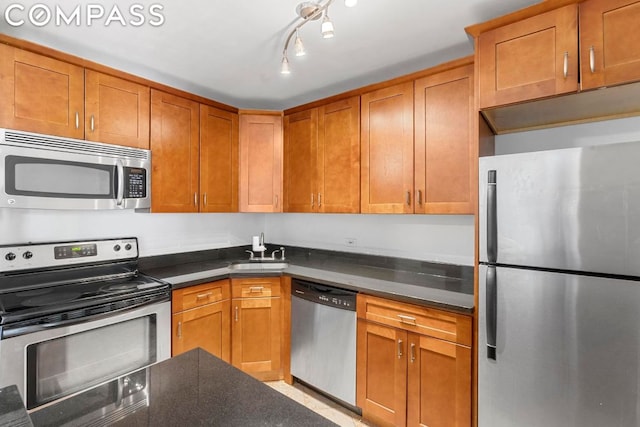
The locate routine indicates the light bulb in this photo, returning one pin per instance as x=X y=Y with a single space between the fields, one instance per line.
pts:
x=284 y=69
x=350 y=3
x=327 y=26
x=299 y=47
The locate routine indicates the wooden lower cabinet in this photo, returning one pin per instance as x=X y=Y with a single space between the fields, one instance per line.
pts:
x=410 y=378
x=201 y=318
x=256 y=327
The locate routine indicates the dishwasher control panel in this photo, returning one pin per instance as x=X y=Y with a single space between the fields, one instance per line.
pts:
x=323 y=294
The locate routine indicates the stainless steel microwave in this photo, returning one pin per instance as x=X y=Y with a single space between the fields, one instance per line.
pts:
x=49 y=172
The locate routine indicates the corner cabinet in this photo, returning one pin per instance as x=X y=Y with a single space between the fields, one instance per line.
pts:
x=445 y=148
x=201 y=318
x=256 y=327
x=40 y=94
x=260 y=162
x=387 y=150
x=529 y=59
x=322 y=158
x=413 y=364
x=609 y=42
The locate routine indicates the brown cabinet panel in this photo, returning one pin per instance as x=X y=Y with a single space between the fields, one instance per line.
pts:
x=40 y=94
x=338 y=170
x=208 y=327
x=439 y=383
x=387 y=150
x=116 y=111
x=300 y=145
x=175 y=135
x=260 y=163
x=445 y=156
x=609 y=42
x=529 y=59
x=381 y=389
x=218 y=160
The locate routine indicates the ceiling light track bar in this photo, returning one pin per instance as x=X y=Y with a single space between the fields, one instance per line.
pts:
x=312 y=17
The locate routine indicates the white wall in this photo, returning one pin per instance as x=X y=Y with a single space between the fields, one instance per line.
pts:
x=588 y=134
x=157 y=233
x=439 y=238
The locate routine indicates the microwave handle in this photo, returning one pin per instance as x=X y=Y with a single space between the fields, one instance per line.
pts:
x=120 y=171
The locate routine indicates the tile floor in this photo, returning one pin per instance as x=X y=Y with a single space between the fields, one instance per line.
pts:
x=320 y=404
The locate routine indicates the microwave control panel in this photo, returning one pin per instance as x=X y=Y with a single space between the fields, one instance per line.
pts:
x=135 y=186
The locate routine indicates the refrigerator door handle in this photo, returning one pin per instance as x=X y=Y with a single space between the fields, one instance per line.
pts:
x=492 y=218
x=492 y=311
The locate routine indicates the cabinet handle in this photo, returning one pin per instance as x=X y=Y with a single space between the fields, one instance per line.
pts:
x=92 y=124
x=77 y=120
x=399 y=349
x=195 y=198
x=407 y=319
x=253 y=289
x=319 y=199
x=565 y=68
x=179 y=329
x=418 y=197
x=312 y=200
x=408 y=198
x=592 y=60
x=206 y=295
x=204 y=199
x=276 y=200
x=236 y=316
x=413 y=352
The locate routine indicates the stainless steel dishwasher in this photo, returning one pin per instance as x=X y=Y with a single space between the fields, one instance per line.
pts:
x=323 y=339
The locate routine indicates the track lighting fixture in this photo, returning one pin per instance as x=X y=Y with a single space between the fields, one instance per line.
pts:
x=309 y=11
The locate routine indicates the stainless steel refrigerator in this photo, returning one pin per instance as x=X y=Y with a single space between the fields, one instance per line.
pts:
x=559 y=319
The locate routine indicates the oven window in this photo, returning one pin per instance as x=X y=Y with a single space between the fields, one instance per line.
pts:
x=64 y=365
x=27 y=176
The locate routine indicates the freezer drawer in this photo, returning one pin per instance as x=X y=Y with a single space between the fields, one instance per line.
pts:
x=567 y=351
x=575 y=209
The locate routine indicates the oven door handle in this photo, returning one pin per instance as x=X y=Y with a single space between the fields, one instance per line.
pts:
x=120 y=189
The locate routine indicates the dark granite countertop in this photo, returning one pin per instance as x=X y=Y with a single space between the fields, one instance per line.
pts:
x=440 y=285
x=192 y=389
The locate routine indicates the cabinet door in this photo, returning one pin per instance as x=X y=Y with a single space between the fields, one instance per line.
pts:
x=439 y=383
x=175 y=158
x=445 y=178
x=116 y=111
x=260 y=163
x=387 y=150
x=300 y=147
x=40 y=94
x=338 y=158
x=218 y=160
x=381 y=373
x=609 y=42
x=208 y=327
x=530 y=59
x=255 y=337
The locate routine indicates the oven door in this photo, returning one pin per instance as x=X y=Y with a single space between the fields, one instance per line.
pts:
x=52 y=179
x=51 y=364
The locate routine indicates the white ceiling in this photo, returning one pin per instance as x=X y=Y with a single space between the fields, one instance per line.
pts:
x=230 y=50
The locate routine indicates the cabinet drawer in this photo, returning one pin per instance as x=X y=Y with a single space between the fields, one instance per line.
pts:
x=426 y=321
x=255 y=287
x=197 y=296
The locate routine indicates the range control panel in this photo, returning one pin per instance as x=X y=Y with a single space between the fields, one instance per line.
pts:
x=323 y=294
x=30 y=256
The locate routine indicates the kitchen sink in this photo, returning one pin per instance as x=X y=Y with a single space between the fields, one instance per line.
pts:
x=258 y=265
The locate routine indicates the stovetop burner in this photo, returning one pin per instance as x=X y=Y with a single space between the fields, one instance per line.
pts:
x=50 y=298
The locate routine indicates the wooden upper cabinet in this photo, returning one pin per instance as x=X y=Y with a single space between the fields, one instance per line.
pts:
x=609 y=42
x=338 y=159
x=445 y=157
x=175 y=158
x=260 y=163
x=529 y=59
x=387 y=150
x=218 y=160
x=116 y=111
x=300 y=148
x=40 y=94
